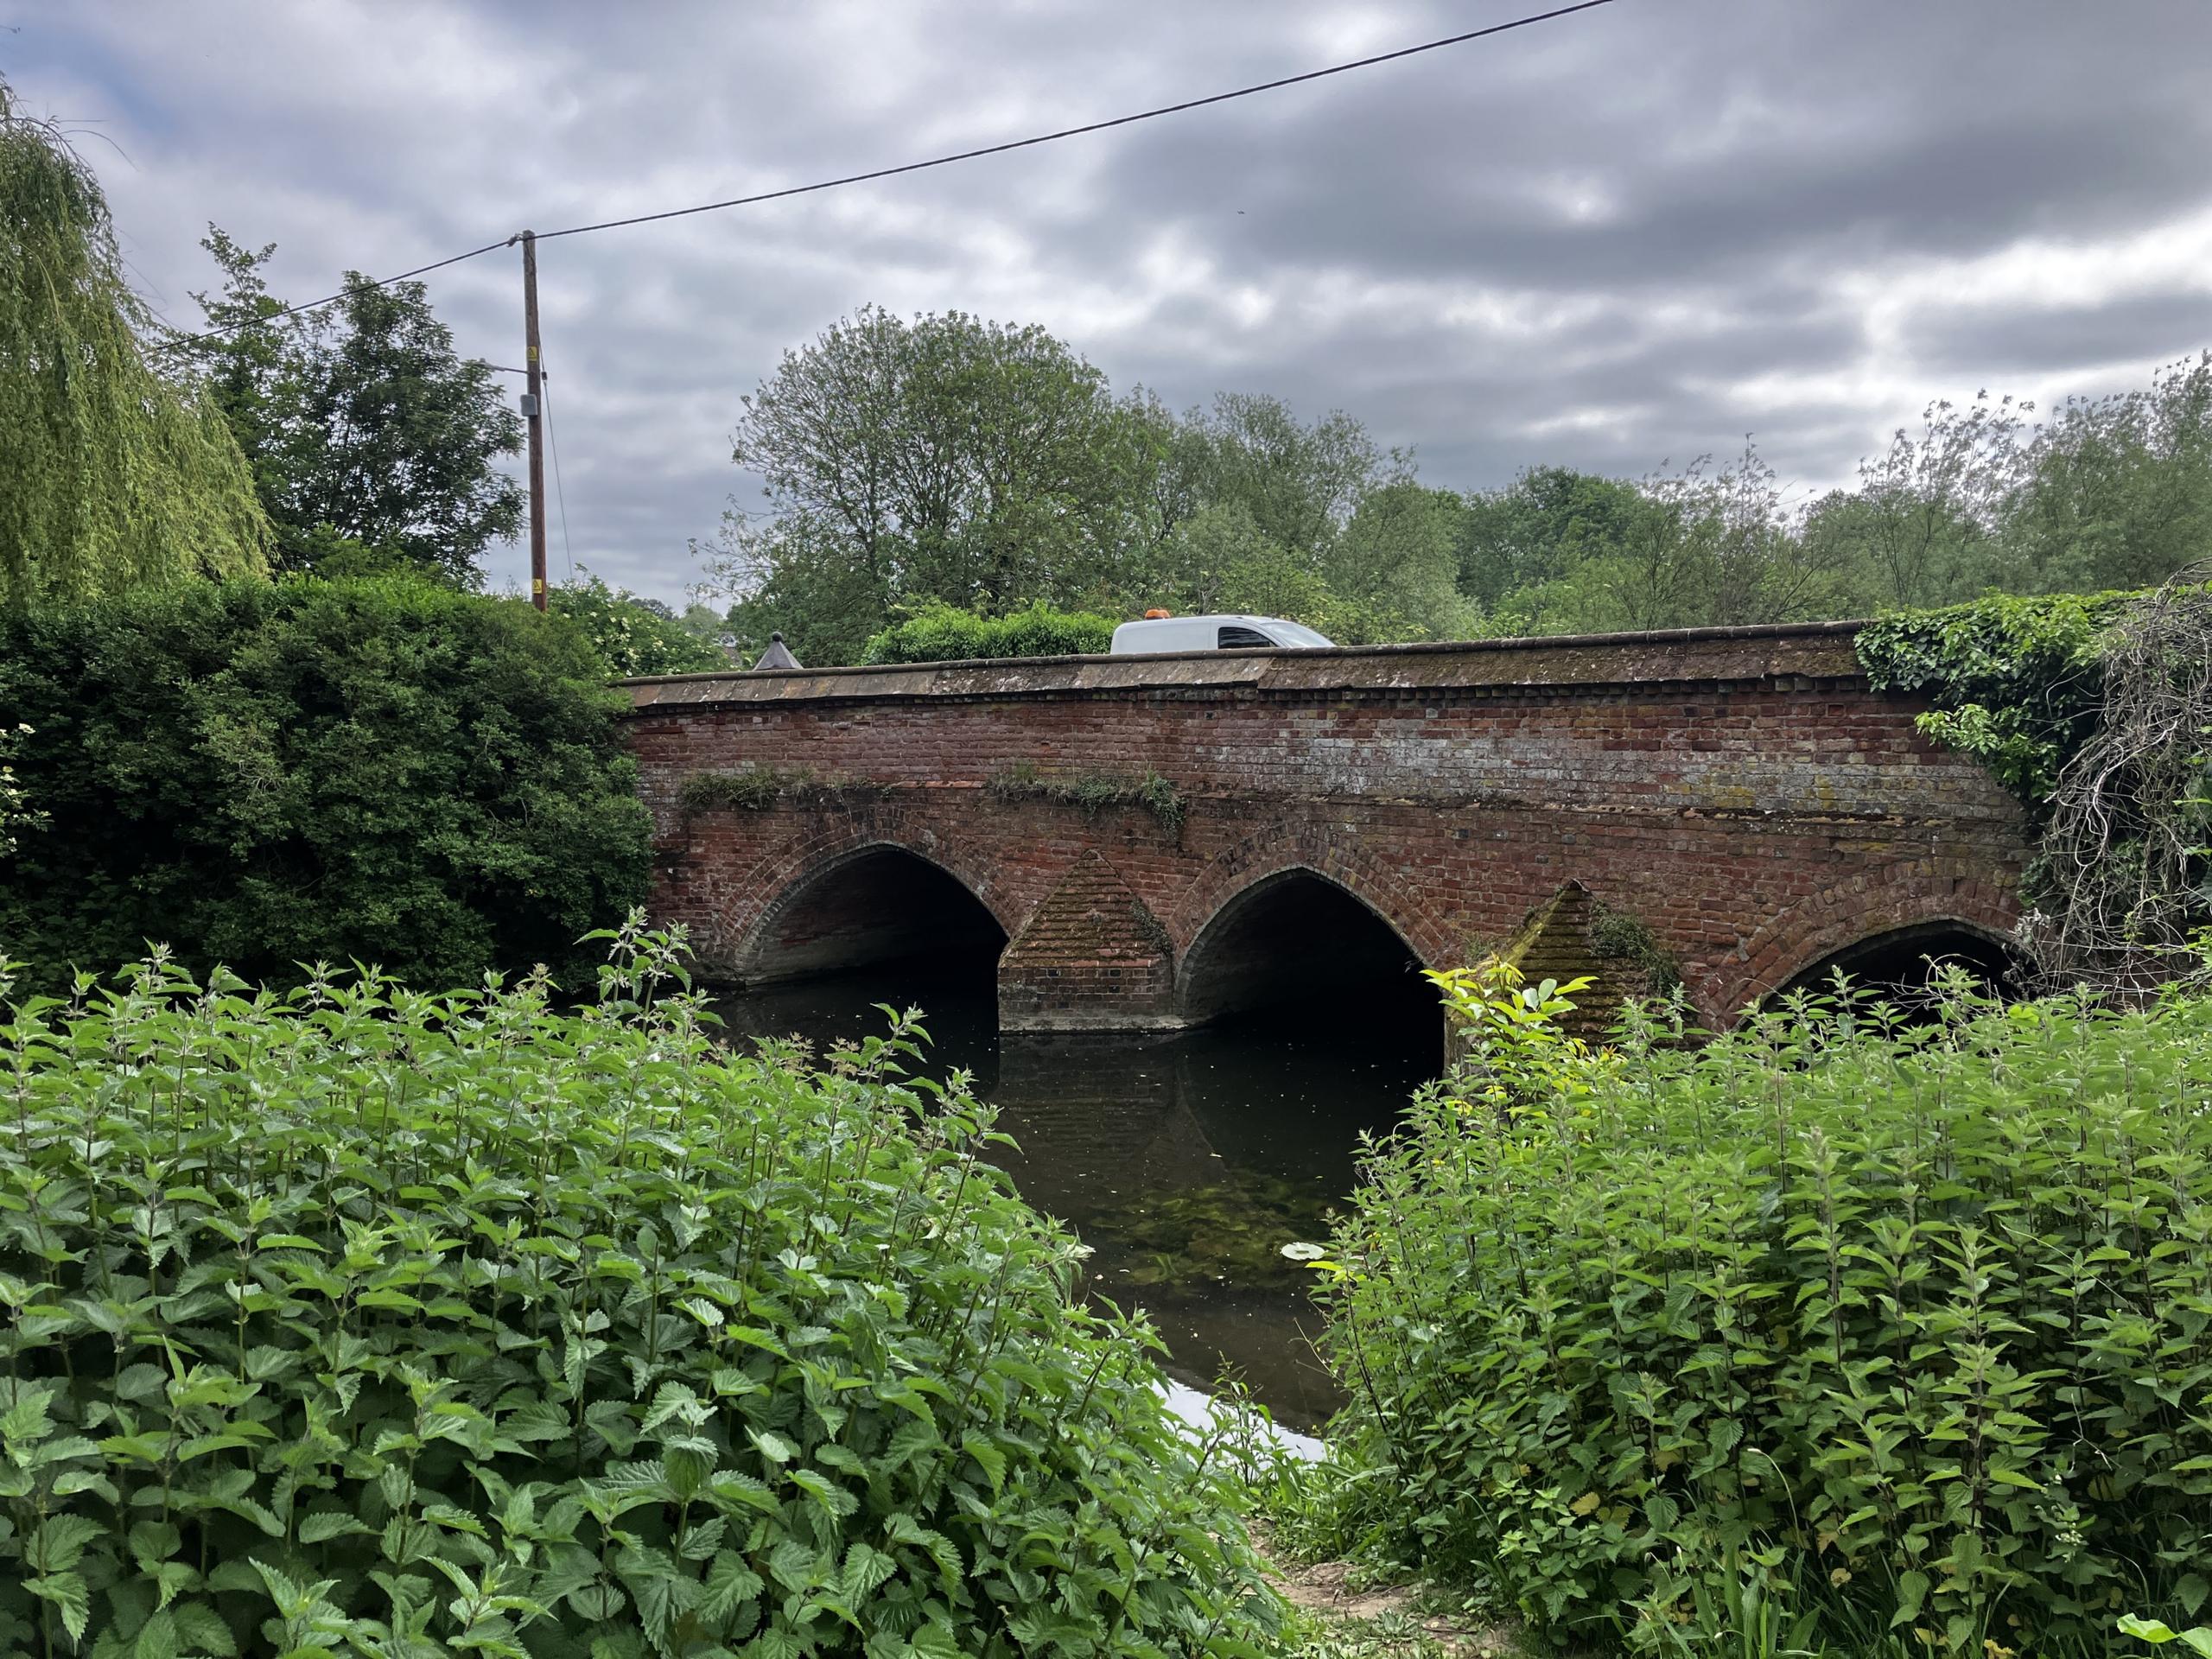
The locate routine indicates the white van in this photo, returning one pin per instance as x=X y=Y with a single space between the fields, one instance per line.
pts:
x=1157 y=634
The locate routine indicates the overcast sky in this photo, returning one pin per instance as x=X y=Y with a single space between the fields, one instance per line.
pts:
x=1626 y=236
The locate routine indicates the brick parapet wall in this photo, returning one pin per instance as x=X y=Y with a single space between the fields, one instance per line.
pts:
x=1742 y=792
x=1678 y=656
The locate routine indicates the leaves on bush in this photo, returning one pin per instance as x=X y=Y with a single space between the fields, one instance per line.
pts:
x=941 y=633
x=1829 y=1319
x=357 y=1319
x=384 y=770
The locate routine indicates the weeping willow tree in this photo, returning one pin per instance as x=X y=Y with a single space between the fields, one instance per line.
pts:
x=111 y=475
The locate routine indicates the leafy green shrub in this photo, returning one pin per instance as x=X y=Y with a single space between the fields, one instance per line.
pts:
x=360 y=1320
x=943 y=633
x=267 y=774
x=1842 y=1327
x=16 y=812
x=632 y=635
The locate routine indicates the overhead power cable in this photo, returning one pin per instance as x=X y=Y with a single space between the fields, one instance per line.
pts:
x=333 y=299
x=1076 y=132
x=947 y=161
x=560 y=495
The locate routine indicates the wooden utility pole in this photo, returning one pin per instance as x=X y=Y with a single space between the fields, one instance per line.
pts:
x=533 y=409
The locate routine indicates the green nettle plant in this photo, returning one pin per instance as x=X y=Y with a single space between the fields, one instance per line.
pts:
x=1833 y=1330
x=353 y=1319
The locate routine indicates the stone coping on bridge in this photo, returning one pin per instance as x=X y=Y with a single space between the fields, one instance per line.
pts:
x=1788 y=652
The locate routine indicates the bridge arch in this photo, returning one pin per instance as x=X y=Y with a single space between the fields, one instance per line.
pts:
x=1295 y=935
x=1321 y=849
x=870 y=899
x=1873 y=926
x=1902 y=963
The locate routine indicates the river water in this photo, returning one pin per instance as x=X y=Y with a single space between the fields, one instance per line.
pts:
x=1185 y=1162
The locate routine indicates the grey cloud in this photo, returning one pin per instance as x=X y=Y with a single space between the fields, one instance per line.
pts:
x=1679 y=216
x=1957 y=155
x=1989 y=344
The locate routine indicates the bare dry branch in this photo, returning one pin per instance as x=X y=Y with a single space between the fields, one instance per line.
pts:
x=2127 y=873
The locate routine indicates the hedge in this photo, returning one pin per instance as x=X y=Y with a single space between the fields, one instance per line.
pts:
x=379 y=770
x=943 y=634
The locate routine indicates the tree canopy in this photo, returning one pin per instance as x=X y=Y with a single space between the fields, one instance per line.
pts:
x=111 y=475
x=945 y=461
x=946 y=458
x=1975 y=498
x=371 y=439
x=633 y=635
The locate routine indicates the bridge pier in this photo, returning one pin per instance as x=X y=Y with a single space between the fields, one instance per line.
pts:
x=1092 y=957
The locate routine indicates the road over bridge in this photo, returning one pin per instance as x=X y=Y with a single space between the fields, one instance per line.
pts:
x=1145 y=842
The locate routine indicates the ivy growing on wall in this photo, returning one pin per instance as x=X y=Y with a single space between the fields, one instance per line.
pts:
x=2097 y=711
x=2015 y=683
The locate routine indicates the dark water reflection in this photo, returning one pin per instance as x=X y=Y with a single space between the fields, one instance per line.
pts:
x=1184 y=1162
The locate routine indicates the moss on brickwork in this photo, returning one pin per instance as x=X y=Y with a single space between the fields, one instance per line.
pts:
x=753 y=789
x=1089 y=792
x=1573 y=934
x=1629 y=944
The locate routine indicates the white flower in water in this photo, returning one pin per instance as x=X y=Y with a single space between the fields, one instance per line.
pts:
x=1303 y=1252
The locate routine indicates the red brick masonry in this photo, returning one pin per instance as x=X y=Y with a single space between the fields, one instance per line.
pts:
x=1741 y=790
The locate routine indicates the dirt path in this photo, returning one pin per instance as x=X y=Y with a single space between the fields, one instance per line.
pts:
x=1386 y=1621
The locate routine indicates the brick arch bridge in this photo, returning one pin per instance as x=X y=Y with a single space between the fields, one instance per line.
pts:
x=1740 y=795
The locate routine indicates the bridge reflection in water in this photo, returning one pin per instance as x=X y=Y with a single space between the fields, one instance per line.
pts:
x=1185 y=1160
